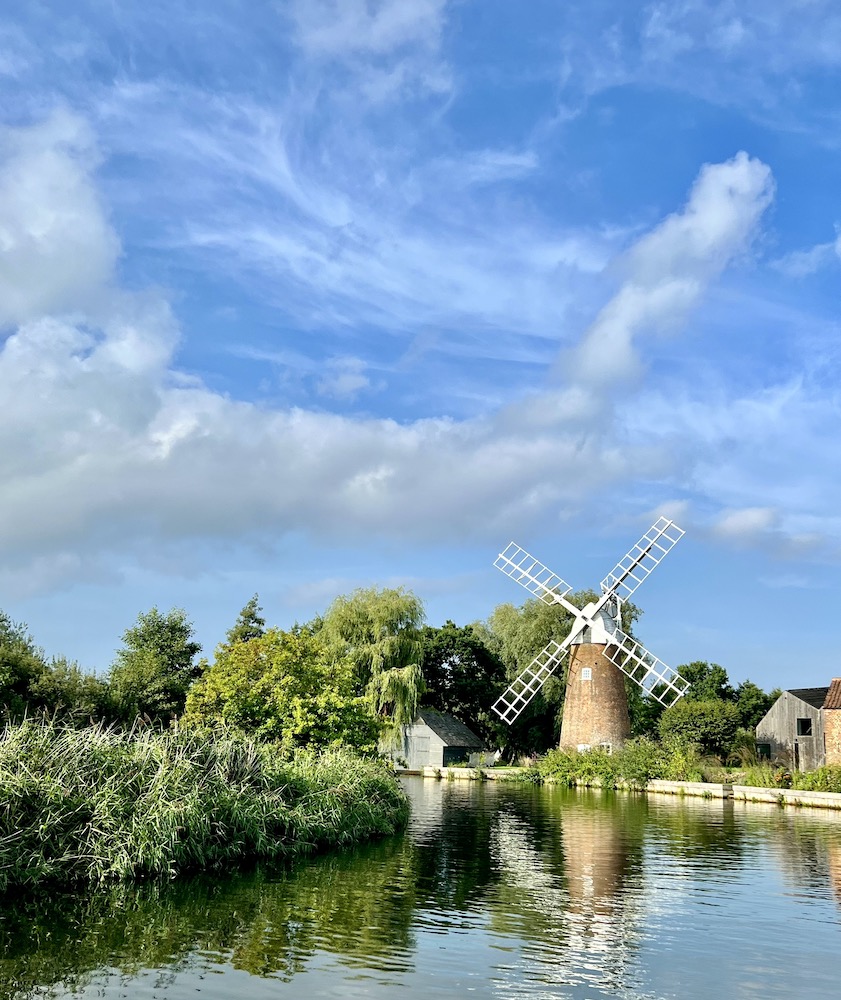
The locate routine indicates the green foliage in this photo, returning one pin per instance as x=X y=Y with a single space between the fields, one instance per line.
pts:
x=153 y=671
x=98 y=804
x=285 y=687
x=711 y=725
x=66 y=691
x=249 y=625
x=462 y=677
x=824 y=779
x=378 y=631
x=707 y=681
x=636 y=763
x=753 y=703
x=21 y=665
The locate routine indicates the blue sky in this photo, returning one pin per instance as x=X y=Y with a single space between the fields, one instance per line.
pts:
x=302 y=296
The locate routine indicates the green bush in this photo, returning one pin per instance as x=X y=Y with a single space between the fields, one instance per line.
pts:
x=824 y=779
x=98 y=804
x=638 y=762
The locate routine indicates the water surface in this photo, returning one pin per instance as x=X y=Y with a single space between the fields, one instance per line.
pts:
x=494 y=891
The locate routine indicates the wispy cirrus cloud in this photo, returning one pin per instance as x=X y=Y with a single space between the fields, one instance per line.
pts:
x=779 y=64
x=111 y=444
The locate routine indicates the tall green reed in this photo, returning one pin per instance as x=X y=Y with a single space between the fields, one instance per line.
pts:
x=99 y=805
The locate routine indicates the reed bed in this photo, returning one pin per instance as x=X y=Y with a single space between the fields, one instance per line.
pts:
x=101 y=805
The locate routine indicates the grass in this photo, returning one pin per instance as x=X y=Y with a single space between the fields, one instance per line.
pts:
x=100 y=805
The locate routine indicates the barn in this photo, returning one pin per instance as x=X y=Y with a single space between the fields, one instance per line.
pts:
x=436 y=739
x=794 y=727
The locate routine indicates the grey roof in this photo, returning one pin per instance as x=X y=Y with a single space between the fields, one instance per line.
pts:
x=812 y=696
x=451 y=731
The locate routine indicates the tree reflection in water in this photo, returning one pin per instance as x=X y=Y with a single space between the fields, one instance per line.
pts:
x=556 y=887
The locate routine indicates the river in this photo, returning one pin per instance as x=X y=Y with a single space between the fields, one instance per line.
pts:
x=495 y=890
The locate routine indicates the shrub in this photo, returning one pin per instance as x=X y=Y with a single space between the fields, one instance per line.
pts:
x=824 y=779
x=98 y=805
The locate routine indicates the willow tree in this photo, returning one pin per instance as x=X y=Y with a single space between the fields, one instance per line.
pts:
x=379 y=630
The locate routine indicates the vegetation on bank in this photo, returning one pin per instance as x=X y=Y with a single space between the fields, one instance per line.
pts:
x=98 y=804
x=642 y=760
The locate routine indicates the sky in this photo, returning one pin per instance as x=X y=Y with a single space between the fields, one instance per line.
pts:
x=309 y=295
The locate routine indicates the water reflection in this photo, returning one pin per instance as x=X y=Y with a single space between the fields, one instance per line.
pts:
x=496 y=889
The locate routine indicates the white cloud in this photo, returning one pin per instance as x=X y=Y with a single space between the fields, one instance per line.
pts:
x=111 y=449
x=57 y=251
x=343 y=27
x=669 y=268
x=389 y=47
x=778 y=63
x=801 y=263
x=746 y=524
x=344 y=378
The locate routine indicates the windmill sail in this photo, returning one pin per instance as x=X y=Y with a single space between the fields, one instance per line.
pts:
x=648 y=552
x=521 y=691
x=531 y=574
x=657 y=679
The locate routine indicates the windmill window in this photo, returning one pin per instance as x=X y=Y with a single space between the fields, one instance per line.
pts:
x=586 y=673
x=804 y=727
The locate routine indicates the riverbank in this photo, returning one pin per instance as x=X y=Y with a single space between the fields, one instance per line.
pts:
x=99 y=805
x=797 y=797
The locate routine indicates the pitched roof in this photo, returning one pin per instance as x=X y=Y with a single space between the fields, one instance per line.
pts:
x=812 y=696
x=833 y=695
x=451 y=731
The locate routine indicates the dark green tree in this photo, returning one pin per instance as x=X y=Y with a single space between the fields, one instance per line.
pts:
x=249 y=625
x=65 y=690
x=753 y=703
x=462 y=677
x=21 y=665
x=711 y=725
x=153 y=671
x=707 y=681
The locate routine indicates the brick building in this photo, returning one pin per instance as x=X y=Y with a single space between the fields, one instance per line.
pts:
x=831 y=711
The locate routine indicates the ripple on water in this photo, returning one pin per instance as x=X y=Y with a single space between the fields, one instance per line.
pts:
x=495 y=891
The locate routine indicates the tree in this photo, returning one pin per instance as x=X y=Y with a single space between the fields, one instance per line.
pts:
x=462 y=676
x=378 y=631
x=286 y=687
x=65 y=690
x=706 y=681
x=752 y=703
x=21 y=665
x=250 y=624
x=153 y=671
x=711 y=724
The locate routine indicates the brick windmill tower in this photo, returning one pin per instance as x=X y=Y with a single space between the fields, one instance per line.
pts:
x=600 y=654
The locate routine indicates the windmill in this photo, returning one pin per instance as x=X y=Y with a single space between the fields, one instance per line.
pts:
x=595 y=705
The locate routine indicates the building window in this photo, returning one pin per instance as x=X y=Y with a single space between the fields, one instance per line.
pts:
x=763 y=751
x=586 y=673
x=804 y=727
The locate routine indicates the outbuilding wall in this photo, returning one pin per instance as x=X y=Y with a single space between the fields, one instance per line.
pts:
x=778 y=728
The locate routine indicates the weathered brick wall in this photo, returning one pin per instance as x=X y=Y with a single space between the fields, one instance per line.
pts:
x=595 y=710
x=832 y=734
